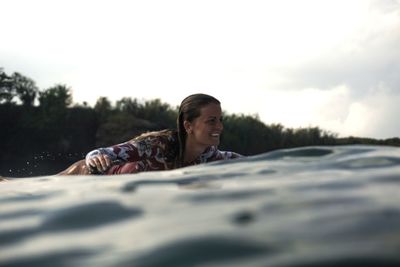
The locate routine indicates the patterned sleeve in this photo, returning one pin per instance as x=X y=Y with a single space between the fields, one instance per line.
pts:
x=130 y=151
x=229 y=155
x=214 y=154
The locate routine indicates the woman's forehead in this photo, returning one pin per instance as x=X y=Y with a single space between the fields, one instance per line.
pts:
x=212 y=109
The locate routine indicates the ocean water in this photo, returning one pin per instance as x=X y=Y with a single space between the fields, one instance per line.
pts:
x=312 y=206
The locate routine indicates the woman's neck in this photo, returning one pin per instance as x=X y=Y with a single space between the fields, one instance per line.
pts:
x=192 y=151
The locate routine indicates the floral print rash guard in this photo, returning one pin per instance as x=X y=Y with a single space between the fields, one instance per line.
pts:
x=153 y=153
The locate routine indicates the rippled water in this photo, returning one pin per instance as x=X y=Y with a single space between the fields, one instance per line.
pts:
x=313 y=206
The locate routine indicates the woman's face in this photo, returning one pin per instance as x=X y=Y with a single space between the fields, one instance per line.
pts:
x=206 y=129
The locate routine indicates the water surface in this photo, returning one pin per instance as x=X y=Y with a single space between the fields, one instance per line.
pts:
x=312 y=206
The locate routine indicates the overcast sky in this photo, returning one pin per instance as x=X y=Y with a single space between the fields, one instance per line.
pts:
x=328 y=63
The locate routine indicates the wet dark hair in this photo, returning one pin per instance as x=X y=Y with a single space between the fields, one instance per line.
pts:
x=188 y=111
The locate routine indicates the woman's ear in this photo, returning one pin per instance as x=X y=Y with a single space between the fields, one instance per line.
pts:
x=188 y=127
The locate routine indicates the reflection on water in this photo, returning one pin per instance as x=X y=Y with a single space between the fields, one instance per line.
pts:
x=312 y=206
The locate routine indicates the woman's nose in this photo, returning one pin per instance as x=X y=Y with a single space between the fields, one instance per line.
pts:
x=219 y=126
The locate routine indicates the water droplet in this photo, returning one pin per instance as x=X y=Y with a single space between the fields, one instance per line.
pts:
x=27 y=163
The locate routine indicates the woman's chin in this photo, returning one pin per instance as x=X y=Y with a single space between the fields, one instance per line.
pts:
x=215 y=142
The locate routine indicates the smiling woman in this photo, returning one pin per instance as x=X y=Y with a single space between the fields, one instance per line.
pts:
x=199 y=127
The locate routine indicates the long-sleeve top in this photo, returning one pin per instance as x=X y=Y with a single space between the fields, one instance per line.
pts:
x=153 y=153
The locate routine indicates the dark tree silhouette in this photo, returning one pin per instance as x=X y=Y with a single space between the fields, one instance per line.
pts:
x=103 y=108
x=58 y=96
x=25 y=88
x=7 y=91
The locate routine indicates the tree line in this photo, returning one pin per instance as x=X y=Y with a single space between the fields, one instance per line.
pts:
x=43 y=131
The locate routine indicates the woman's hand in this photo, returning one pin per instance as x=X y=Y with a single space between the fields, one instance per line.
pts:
x=99 y=162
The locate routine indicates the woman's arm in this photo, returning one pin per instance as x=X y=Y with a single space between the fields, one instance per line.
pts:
x=103 y=158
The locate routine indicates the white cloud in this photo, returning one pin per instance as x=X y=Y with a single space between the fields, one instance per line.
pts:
x=308 y=107
x=374 y=115
x=334 y=109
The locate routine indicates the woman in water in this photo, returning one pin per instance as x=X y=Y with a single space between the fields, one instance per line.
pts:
x=199 y=127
